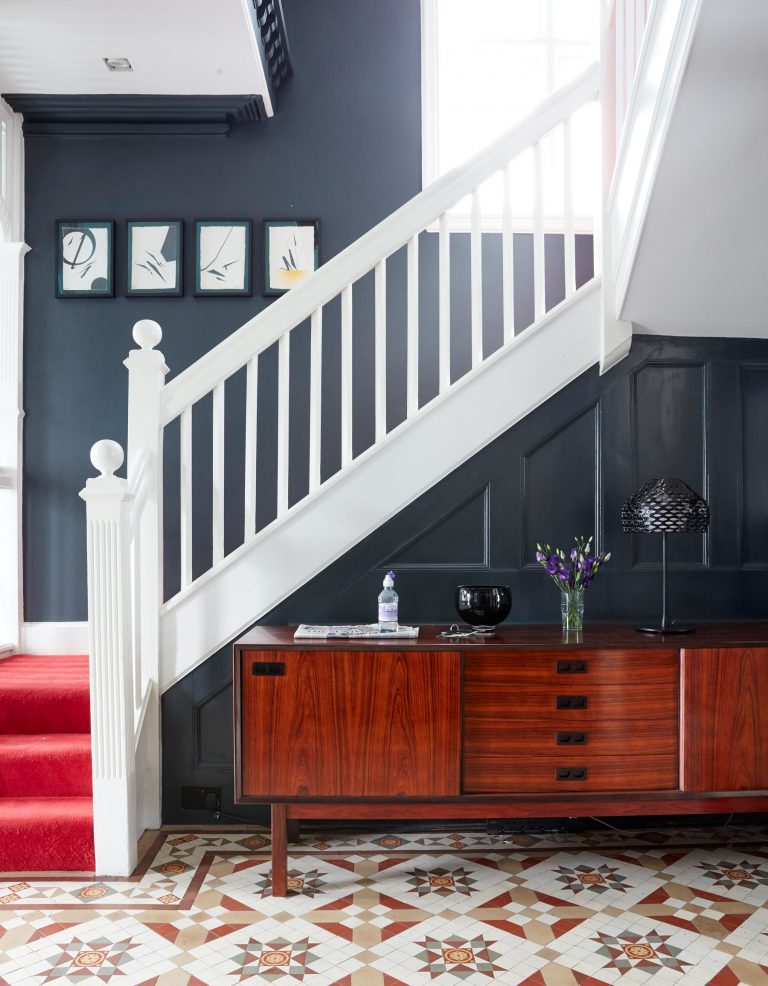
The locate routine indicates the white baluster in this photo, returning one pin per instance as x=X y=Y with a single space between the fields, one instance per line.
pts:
x=185 y=495
x=569 y=238
x=444 y=303
x=476 y=279
x=538 y=233
x=508 y=257
x=251 y=412
x=629 y=48
x=217 y=470
x=380 y=360
x=640 y=20
x=315 y=398
x=620 y=66
x=412 y=357
x=146 y=380
x=108 y=502
x=346 y=376
x=283 y=420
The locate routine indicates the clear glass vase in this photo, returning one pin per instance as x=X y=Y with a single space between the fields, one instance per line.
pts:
x=572 y=609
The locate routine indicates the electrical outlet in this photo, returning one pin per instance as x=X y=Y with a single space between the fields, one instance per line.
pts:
x=201 y=798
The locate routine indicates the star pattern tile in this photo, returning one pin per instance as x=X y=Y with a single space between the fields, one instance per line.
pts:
x=405 y=908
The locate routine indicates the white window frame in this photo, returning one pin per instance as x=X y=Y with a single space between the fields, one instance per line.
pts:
x=461 y=221
x=11 y=175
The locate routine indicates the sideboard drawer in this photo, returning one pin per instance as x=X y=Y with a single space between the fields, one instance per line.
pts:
x=498 y=669
x=559 y=734
x=560 y=701
x=568 y=774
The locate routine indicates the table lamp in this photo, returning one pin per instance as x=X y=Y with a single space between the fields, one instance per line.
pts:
x=665 y=506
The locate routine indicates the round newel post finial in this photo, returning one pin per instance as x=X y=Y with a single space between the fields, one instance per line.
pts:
x=147 y=333
x=107 y=456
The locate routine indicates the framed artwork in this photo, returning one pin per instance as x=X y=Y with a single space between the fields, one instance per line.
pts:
x=291 y=252
x=222 y=257
x=154 y=257
x=85 y=258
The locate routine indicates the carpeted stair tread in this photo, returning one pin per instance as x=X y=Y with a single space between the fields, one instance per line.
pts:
x=38 y=834
x=52 y=765
x=43 y=694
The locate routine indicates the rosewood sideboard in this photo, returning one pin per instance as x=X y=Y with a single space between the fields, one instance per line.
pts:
x=523 y=724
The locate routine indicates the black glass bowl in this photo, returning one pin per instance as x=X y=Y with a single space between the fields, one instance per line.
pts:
x=483 y=606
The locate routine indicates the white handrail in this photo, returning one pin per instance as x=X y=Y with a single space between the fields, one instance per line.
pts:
x=260 y=332
x=139 y=486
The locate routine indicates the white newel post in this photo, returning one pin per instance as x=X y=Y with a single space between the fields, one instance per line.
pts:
x=615 y=334
x=146 y=378
x=11 y=418
x=108 y=501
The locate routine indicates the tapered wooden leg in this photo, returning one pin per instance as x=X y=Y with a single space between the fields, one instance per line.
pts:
x=294 y=830
x=279 y=851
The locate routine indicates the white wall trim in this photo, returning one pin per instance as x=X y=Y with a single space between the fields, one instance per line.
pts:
x=661 y=66
x=54 y=638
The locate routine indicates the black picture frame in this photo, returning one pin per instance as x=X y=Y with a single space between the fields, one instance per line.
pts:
x=79 y=254
x=153 y=263
x=203 y=287
x=271 y=287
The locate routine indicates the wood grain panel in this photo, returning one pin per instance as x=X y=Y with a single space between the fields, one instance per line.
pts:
x=754 y=409
x=724 y=728
x=631 y=666
x=346 y=724
x=670 y=439
x=498 y=775
x=504 y=738
x=572 y=450
x=513 y=700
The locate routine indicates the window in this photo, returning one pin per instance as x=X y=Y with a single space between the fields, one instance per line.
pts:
x=486 y=64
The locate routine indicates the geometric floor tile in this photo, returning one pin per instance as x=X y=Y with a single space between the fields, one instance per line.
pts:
x=445 y=907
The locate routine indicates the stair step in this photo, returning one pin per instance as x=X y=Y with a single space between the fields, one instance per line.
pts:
x=43 y=766
x=39 y=834
x=44 y=694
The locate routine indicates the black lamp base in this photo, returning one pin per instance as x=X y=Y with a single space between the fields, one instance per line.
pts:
x=671 y=628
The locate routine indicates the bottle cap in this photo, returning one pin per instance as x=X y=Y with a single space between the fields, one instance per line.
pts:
x=389 y=579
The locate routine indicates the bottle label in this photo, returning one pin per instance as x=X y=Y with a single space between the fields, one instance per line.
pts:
x=387 y=612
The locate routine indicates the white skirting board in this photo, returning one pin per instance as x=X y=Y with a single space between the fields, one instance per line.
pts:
x=54 y=638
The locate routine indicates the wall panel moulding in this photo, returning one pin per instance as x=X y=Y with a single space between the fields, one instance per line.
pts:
x=88 y=116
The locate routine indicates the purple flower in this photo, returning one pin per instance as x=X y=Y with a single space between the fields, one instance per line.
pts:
x=563 y=576
x=553 y=564
x=574 y=553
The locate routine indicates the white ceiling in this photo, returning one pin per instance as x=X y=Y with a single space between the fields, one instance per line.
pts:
x=176 y=47
x=702 y=265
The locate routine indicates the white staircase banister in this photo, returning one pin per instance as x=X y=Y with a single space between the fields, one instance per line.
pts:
x=390 y=235
x=108 y=503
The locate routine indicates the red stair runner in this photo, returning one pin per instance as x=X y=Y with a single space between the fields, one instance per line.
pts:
x=46 y=810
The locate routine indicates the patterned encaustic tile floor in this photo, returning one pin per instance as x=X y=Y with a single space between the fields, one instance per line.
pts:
x=444 y=908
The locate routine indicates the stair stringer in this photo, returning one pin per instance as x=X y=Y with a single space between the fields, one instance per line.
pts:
x=380 y=482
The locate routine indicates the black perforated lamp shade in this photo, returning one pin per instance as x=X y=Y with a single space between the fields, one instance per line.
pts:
x=665 y=506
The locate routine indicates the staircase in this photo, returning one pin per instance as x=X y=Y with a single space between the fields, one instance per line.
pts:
x=141 y=642
x=46 y=808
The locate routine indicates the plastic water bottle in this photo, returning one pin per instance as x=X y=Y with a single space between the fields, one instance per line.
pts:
x=388 y=601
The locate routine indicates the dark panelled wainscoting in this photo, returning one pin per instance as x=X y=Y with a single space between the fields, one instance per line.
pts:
x=687 y=408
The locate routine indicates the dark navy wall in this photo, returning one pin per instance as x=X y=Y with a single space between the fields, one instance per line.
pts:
x=344 y=147
x=686 y=408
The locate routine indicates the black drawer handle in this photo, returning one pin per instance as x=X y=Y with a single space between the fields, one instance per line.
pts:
x=571 y=702
x=571 y=739
x=571 y=774
x=572 y=667
x=268 y=669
